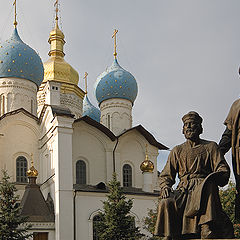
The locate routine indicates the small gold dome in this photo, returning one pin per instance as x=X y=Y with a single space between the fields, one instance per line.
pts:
x=32 y=172
x=147 y=166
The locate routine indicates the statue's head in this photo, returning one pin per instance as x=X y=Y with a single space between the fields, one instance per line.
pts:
x=192 y=125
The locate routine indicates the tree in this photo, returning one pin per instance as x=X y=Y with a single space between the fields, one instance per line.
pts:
x=227 y=197
x=116 y=222
x=13 y=226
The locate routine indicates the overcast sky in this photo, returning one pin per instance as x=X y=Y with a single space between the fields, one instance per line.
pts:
x=184 y=54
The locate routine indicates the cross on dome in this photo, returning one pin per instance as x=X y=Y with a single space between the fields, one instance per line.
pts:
x=115 y=42
x=85 y=78
x=15 y=13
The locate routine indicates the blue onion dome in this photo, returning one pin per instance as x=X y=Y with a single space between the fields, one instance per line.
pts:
x=18 y=60
x=89 y=110
x=116 y=82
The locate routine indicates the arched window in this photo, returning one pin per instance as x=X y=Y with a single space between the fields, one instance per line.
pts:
x=127 y=175
x=96 y=220
x=81 y=172
x=21 y=169
x=2 y=105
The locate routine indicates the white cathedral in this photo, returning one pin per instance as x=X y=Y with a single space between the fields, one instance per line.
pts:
x=60 y=150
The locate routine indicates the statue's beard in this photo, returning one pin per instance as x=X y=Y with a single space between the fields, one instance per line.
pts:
x=191 y=134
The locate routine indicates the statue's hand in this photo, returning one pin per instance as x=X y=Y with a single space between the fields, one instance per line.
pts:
x=165 y=193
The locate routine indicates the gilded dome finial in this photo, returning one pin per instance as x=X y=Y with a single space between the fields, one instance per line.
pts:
x=147 y=165
x=115 y=42
x=85 y=78
x=15 y=13
x=56 y=38
x=32 y=172
x=56 y=5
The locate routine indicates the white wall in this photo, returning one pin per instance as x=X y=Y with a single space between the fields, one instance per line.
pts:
x=89 y=204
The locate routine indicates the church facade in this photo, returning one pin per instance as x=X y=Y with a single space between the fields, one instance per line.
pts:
x=46 y=119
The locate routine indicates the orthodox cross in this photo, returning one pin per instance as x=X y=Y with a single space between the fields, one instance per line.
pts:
x=85 y=78
x=115 y=42
x=31 y=159
x=146 y=152
x=15 y=13
x=56 y=5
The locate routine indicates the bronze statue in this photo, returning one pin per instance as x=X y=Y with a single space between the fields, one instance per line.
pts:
x=194 y=209
x=231 y=138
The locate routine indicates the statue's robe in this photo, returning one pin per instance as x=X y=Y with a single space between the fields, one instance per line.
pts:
x=196 y=199
x=233 y=124
x=231 y=139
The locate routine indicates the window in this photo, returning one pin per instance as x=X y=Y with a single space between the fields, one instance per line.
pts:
x=108 y=121
x=21 y=169
x=31 y=106
x=127 y=175
x=96 y=220
x=81 y=172
x=2 y=106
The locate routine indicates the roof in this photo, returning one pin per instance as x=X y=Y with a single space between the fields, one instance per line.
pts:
x=97 y=125
x=126 y=190
x=19 y=60
x=61 y=111
x=148 y=136
x=116 y=82
x=34 y=205
x=22 y=110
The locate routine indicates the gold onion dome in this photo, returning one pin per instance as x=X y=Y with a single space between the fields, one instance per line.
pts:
x=147 y=165
x=32 y=172
x=56 y=68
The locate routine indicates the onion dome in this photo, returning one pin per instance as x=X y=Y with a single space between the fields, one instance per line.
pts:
x=32 y=172
x=147 y=165
x=90 y=111
x=19 y=60
x=116 y=82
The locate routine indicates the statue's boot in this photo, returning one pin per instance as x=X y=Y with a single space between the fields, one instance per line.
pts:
x=206 y=232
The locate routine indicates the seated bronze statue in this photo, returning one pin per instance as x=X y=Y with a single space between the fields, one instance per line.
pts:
x=194 y=209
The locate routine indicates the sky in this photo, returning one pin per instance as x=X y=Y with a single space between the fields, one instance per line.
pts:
x=185 y=55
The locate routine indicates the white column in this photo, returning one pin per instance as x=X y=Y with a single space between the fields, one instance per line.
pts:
x=52 y=93
x=147 y=182
x=63 y=177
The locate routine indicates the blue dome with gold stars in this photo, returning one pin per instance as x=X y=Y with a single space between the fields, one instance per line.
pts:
x=90 y=111
x=116 y=82
x=18 y=60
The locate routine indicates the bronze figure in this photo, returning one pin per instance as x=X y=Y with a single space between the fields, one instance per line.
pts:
x=194 y=209
x=230 y=139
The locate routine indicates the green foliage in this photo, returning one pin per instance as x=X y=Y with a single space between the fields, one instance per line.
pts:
x=149 y=222
x=227 y=196
x=12 y=225
x=116 y=222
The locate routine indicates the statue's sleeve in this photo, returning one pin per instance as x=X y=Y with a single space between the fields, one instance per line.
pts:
x=229 y=122
x=168 y=174
x=219 y=165
x=226 y=141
